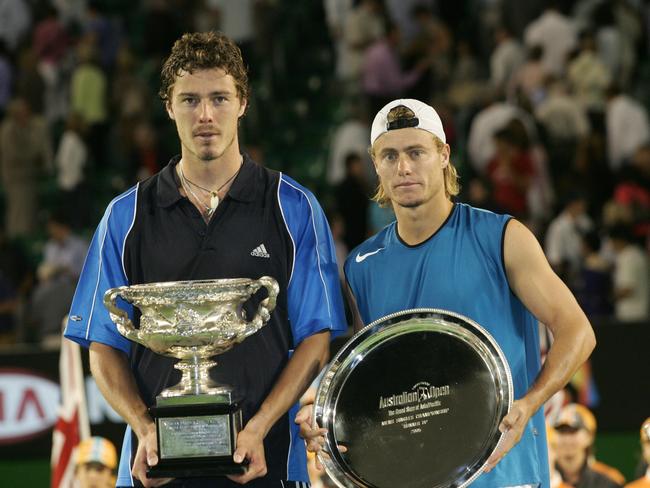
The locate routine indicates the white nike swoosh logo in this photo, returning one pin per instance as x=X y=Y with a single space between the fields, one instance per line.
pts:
x=361 y=257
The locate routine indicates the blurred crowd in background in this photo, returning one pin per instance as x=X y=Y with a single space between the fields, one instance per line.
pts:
x=544 y=103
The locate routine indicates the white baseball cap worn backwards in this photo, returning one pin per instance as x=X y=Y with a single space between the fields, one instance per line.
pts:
x=426 y=118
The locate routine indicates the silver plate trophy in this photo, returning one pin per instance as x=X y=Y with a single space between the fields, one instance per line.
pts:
x=197 y=420
x=416 y=399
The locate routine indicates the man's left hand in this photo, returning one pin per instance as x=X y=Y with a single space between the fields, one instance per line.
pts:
x=512 y=426
x=250 y=445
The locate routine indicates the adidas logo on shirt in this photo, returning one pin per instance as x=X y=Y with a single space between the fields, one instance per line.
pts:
x=260 y=252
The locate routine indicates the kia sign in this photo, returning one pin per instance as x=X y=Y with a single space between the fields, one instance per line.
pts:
x=28 y=404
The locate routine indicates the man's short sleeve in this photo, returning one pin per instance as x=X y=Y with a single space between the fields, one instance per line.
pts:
x=89 y=320
x=314 y=297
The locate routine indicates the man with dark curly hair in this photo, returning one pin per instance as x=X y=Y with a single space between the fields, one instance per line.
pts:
x=214 y=213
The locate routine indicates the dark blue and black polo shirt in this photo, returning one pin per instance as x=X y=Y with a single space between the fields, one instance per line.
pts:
x=267 y=225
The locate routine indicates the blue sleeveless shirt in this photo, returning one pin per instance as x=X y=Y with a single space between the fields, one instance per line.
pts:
x=461 y=269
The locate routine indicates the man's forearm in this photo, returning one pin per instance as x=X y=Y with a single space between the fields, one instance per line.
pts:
x=571 y=348
x=115 y=380
x=305 y=363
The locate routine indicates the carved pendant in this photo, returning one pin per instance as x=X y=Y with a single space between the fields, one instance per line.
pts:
x=214 y=202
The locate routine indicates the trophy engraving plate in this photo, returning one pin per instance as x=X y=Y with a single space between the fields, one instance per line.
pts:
x=416 y=398
x=187 y=437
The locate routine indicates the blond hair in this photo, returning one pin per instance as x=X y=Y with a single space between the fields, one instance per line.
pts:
x=449 y=173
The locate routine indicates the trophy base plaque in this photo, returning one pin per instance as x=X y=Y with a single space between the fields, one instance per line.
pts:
x=197 y=436
x=197 y=468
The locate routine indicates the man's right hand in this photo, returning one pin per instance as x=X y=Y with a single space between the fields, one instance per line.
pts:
x=147 y=456
x=314 y=436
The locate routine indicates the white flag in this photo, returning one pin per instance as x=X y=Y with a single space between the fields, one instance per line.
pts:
x=72 y=425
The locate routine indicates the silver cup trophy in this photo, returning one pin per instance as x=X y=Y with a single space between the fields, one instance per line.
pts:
x=197 y=420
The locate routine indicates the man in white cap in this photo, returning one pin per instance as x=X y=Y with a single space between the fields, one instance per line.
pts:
x=488 y=267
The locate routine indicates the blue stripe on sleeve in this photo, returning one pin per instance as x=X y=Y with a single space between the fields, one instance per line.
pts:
x=314 y=296
x=297 y=462
x=297 y=458
x=89 y=320
x=124 y=477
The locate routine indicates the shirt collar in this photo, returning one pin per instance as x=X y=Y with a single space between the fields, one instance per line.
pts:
x=168 y=183
x=242 y=189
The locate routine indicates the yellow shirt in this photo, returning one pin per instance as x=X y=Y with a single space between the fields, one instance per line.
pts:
x=88 y=93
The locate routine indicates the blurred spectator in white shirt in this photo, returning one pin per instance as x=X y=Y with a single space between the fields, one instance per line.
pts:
x=71 y=155
x=506 y=58
x=556 y=33
x=71 y=11
x=561 y=115
x=16 y=21
x=563 y=246
x=336 y=11
x=70 y=163
x=363 y=26
x=589 y=76
x=627 y=127
x=631 y=277
x=349 y=137
x=614 y=48
x=236 y=19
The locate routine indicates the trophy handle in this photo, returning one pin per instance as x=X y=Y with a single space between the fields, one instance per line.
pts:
x=266 y=306
x=119 y=316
